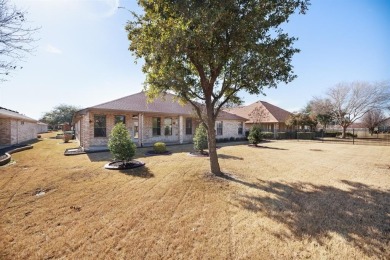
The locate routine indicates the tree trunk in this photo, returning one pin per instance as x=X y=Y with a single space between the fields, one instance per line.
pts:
x=214 y=164
x=344 y=135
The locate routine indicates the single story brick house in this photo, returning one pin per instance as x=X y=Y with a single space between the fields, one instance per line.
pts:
x=271 y=118
x=163 y=120
x=384 y=126
x=16 y=128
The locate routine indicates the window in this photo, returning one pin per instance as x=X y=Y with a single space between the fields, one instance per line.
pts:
x=240 y=128
x=156 y=125
x=188 y=126
x=219 y=127
x=167 y=126
x=135 y=131
x=119 y=119
x=100 y=126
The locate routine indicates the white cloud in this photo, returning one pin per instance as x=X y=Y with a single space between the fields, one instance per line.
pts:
x=50 y=48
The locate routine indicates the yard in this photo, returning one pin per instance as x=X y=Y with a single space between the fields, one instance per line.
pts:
x=285 y=200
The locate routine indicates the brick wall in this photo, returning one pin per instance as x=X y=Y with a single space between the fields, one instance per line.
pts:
x=14 y=131
x=5 y=131
x=86 y=129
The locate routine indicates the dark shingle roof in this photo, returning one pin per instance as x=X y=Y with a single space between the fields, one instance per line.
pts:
x=167 y=104
x=273 y=114
x=138 y=103
x=7 y=113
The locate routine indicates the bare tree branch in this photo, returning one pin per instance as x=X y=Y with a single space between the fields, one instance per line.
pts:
x=15 y=38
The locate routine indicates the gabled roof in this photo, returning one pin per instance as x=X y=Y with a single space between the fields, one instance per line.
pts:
x=7 y=113
x=386 y=122
x=270 y=113
x=167 y=104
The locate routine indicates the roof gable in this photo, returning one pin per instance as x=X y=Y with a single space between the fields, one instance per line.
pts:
x=268 y=112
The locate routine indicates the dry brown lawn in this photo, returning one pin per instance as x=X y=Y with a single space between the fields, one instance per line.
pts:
x=287 y=200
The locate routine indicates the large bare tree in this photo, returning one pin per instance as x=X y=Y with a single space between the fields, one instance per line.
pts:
x=351 y=101
x=15 y=37
x=372 y=119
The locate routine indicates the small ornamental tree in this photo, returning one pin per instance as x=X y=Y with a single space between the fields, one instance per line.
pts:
x=255 y=136
x=200 y=139
x=120 y=144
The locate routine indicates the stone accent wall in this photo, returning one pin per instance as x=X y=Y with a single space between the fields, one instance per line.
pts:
x=147 y=133
x=189 y=138
x=25 y=131
x=5 y=131
x=230 y=129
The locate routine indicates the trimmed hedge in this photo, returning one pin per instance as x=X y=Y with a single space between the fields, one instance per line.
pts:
x=268 y=135
x=287 y=135
x=306 y=135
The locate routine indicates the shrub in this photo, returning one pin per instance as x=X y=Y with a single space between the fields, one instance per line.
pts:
x=200 y=138
x=120 y=144
x=351 y=135
x=225 y=139
x=232 y=139
x=159 y=147
x=347 y=134
x=255 y=135
x=306 y=135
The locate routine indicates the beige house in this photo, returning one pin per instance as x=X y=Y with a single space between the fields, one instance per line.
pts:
x=271 y=118
x=163 y=120
x=16 y=128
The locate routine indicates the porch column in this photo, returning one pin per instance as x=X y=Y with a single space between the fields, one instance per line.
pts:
x=276 y=130
x=140 y=128
x=181 y=129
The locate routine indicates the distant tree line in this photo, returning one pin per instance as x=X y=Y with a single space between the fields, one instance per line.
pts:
x=61 y=114
x=345 y=104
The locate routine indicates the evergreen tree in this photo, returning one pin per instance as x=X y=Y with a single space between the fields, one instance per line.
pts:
x=200 y=139
x=120 y=144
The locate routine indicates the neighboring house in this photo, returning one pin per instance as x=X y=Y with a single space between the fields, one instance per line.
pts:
x=16 y=128
x=384 y=126
x=163 y=120
x=270 y=118
x=42 y=127
x=356 y=126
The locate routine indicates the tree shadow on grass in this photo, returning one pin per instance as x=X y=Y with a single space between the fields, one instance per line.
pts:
x=99 y=156
x=359 y=214
x=142 y=172
x=225 y=156
x=267 y=147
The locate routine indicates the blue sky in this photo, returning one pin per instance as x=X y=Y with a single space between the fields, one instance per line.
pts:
x=82 y=56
